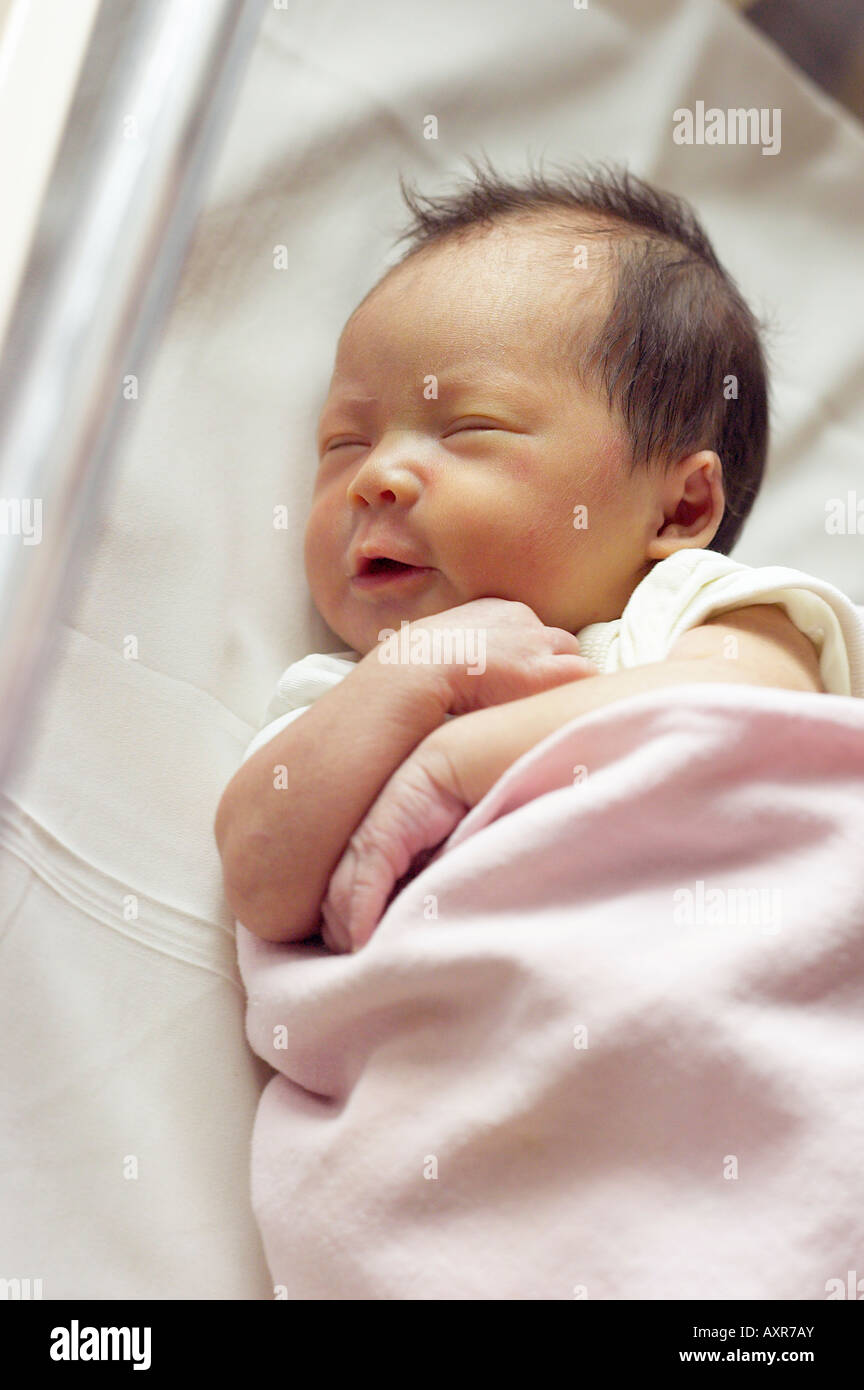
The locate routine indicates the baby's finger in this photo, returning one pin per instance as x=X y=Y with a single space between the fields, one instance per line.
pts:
x=564 y=668
x=358 y=889
x=563 y=641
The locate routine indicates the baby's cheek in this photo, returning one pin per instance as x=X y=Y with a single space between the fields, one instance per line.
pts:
x=323 y=543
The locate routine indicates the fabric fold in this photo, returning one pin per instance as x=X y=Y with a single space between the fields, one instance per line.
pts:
x=610 y=1040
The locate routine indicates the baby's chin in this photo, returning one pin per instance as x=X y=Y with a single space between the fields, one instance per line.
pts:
x=364 y=637
x=367 y=640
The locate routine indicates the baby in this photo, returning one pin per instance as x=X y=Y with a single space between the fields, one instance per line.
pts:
x=544 y=430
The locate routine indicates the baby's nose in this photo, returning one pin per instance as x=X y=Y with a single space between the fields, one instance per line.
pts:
x=383 y=481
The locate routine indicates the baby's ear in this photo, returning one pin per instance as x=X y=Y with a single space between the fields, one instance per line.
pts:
x=693 y=504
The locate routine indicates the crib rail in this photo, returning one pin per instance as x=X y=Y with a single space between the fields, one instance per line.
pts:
x=153 y=98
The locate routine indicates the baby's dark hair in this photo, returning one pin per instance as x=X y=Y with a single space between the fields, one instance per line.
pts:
x=679 y=336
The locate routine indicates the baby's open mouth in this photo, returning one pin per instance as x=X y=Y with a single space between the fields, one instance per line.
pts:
x=382 y=564
x=377 y=570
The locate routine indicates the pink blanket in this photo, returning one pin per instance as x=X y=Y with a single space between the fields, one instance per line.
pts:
x=608 y=1044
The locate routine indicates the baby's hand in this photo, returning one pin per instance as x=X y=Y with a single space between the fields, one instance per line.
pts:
x=415 y=812
x=493 y=650
x=450 y=771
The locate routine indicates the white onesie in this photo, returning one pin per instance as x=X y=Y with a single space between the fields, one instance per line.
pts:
x=679 y=593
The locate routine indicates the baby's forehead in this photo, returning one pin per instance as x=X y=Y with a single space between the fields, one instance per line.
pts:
x=531 y=286
x=545 y=253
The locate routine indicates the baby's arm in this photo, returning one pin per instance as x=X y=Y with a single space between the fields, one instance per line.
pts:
x=286 y=816
x=755 y=645
x=279 y=842
x=457 y=764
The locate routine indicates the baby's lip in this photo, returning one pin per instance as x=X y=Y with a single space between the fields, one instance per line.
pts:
x=362 y=559
x=390 y=578
x=387 y=564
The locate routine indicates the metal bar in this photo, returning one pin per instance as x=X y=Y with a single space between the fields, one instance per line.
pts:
x=155 y=92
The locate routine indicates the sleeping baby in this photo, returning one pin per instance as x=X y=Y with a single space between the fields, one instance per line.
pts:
x=545 y=428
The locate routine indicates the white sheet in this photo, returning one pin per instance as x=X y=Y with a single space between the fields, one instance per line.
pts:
x=123 y=1035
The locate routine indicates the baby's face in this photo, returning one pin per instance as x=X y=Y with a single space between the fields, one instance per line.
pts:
x=449 y=440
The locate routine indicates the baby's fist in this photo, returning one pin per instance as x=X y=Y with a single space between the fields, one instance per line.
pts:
x=493 y=650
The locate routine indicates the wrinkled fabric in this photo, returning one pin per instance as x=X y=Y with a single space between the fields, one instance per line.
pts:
x=608 y=1044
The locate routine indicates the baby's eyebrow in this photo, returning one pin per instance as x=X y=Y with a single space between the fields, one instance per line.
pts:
x=342 y=404
x=510 y=387
x=338 y=401
x=500 y=382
